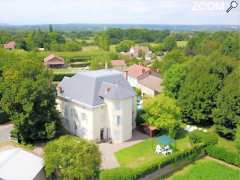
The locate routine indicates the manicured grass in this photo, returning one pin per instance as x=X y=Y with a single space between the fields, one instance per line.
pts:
x=63 y=71
x=182 y=43
x=205 y=169
x=145 y=151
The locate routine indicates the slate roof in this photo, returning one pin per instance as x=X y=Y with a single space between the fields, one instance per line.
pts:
x=89 y=87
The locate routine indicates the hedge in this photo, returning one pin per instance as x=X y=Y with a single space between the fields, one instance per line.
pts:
x=198 y=136
x=80 y=64
x=223 y=154
x=59 y=77
x=123 y=173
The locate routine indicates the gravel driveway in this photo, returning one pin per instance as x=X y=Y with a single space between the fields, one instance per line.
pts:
x=5 y=130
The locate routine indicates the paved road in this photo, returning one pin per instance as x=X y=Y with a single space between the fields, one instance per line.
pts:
x=5 y=130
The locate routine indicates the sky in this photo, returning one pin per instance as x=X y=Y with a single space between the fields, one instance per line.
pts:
x=189 y=12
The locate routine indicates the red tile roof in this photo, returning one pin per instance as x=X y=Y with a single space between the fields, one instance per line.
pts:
x=52 y=59
x=137 y=70
x=10 y=45
x=118 y=63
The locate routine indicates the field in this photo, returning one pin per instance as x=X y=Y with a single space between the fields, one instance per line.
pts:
x=144 y=152
x=206 y=169
x=182 y=44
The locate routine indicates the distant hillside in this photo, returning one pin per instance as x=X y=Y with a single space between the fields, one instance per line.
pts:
x=99 y=27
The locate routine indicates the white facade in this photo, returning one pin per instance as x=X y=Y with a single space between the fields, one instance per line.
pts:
x=114 y=120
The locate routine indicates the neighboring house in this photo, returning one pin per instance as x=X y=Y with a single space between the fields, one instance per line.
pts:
x=150 y=84
x=135 y=72
x=10 y=45
x=17 y=164
x=53 y=61
x=119 y=65
x=139 y=51
x=98 y=105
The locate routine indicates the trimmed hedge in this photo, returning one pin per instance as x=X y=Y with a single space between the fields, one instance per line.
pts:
x=59 y=77
x=123 y=173
x=80 y=64
x=197 y=137
x=224 y=155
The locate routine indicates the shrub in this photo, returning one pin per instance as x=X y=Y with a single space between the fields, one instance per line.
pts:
x=224 y=155
x=59 y=77
x=197 y=137
x=80 y=64
x=3 y=117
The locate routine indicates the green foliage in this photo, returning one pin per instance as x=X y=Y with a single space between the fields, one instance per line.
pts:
x=3 y=117
x=124 y=46
x=169 y=43
x=173 y=80
x=28 y=97
x=198 y=136
x=151 y=166
x=237 y=139
x=171 y=58
x=204 y=80
x=60 y=76
x=102 y=40
x=224 y=155
x=73 y=158
x=162 y=112
x=227 y=111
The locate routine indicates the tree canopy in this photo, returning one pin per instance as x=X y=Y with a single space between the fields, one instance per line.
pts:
x=72 y=158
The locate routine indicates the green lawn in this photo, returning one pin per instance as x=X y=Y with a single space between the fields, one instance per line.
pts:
x=145 y=151
x=206 y=169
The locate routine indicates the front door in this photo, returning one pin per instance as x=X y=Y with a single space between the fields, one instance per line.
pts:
x=104 y=134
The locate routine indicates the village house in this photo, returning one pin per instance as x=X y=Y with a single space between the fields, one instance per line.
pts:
x=134 y=73
x=10 y=45
x=119 y=65
x=18 y=164
x=140 y=51
x=98 y=105
x=150 y=84
x=54 y=61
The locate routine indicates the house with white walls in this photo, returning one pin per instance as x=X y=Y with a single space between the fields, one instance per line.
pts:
x=98 y=105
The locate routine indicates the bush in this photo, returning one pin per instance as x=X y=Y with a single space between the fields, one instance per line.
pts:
x=80 y=64
x=59 y=77
x=224 y=155
x=149 y=167
x=197 y=137
x=3 y=117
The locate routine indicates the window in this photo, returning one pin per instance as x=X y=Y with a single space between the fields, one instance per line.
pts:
x=118 y=121
x=117 y=105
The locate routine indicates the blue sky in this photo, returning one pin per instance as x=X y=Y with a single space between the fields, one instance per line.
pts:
x=118 y=11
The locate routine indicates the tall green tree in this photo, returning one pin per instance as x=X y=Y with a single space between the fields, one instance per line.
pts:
x=72 y=158
x=162 y=112
x=169 y=43
x=28 y=97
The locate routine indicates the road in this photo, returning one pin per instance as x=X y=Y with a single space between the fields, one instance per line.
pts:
x=5 y=130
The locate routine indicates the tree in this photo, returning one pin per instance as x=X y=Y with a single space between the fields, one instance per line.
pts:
x=50 y=28
x=171 y=58
x=124 y=46
x=162 y=112
x=169 y=43
x=227 y=112
x=204 y=80
x=28 y=97
x=72 y=158
x=102 y=40
x=174 y=79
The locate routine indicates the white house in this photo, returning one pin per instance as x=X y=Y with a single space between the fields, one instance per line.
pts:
x=98 y=105
x=17 y=164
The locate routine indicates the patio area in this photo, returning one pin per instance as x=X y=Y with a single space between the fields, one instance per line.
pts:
x=109 y=160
